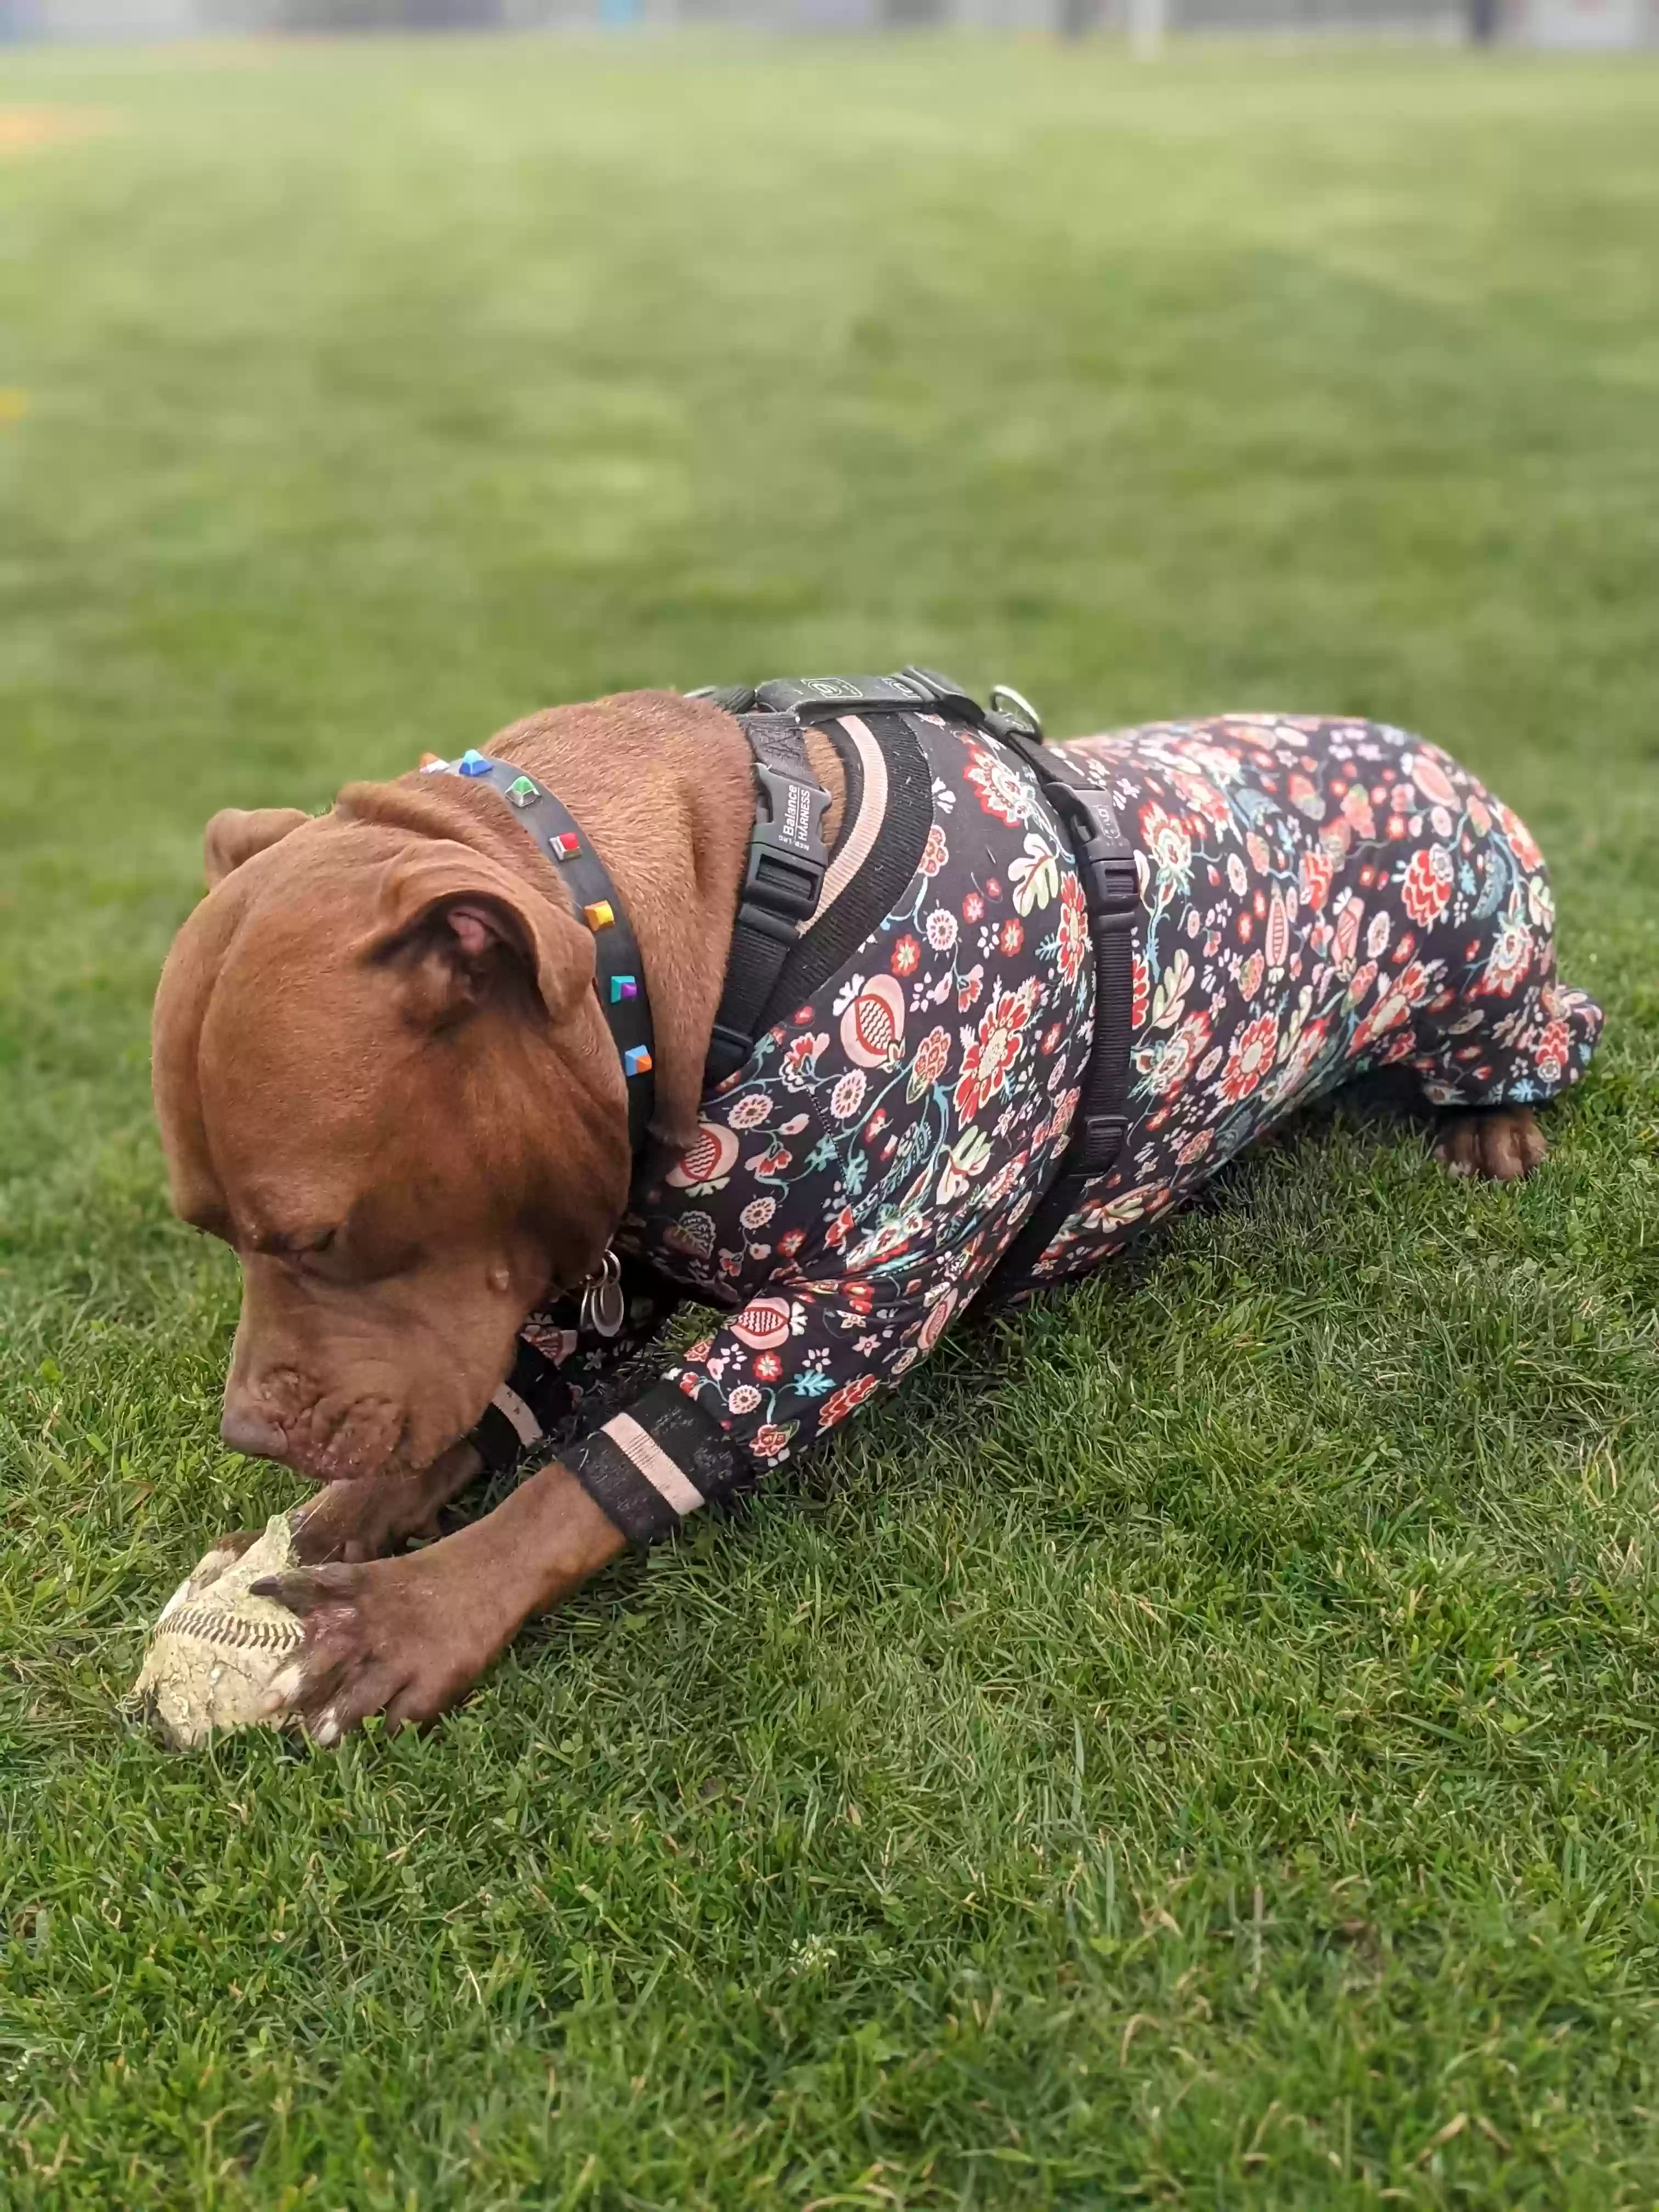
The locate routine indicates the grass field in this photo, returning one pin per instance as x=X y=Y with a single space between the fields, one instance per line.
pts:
x=1199 y=1745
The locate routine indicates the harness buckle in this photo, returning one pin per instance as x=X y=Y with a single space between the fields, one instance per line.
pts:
x=1103 y=855
x=1102 y=1140
x=787 y=856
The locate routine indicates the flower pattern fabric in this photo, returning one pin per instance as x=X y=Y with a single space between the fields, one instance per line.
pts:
x=1320 y=897
x=1323 y=898
x=854 y=1183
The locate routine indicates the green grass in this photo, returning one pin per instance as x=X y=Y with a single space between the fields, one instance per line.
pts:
x=1198 y=1746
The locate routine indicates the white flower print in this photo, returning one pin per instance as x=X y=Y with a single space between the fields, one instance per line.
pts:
x=847 y=1096
x=1035 y=876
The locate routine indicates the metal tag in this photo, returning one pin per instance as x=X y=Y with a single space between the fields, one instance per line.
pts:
x=604 y=1307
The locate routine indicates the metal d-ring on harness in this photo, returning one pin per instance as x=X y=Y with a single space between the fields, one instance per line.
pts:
x=788 y=861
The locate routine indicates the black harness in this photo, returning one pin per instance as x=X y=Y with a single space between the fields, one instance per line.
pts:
x=784 y=880
x=786 y=865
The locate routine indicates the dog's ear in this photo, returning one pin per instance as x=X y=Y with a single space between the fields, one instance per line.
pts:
x=233 y=836
x=464 y=930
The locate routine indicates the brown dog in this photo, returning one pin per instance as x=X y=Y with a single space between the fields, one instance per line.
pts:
x=383 y=1077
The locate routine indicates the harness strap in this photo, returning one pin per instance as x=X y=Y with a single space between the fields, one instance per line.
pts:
x=787 y=863
x=1111 y=891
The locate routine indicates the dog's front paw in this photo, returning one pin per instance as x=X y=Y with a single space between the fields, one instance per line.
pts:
x=379 y=1638
x=1499 y=1142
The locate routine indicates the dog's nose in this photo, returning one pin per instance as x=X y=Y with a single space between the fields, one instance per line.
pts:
x=245 y=1429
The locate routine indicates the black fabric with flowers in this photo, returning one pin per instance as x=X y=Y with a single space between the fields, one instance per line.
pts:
x=1320 y=897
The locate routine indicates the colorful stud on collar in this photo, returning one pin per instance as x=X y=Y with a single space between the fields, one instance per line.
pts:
x=599 y=915
x=636 y=1060
x=522 y=792
x=623 y=986
x=565 y=845
x=472 y=762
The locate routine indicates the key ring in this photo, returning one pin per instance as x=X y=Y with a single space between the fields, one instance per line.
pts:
x=1023 y=711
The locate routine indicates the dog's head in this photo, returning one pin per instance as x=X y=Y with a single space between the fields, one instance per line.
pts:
x=383 y=1078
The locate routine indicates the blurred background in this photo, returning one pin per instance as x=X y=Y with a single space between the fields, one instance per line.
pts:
x=1610 y=25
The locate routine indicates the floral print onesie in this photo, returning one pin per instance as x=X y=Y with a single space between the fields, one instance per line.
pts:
x=1321 y=898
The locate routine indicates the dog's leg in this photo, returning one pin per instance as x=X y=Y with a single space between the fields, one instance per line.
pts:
x=1500 y=1143
x=409 y=1637
x=355 y=1521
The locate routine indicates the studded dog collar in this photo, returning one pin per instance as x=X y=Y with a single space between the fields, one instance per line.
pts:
x=619 y=972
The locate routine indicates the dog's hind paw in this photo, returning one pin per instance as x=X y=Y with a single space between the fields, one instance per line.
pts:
x=1500 y=1144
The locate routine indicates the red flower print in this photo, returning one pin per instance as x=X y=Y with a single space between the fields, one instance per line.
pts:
x=1168 y=846
x=1359 y=985
x=1304 y=796
x=1250 y=1057
x=1348 y=935
x=837 y=1406
x=1508 y=961
x=906 y=956
x=1277 y=937
x=1140 y=989
x=968 y=990
x=1001 y=794
x=1074 y=937
x=1201 y=797
x=800 y=1061
x=1426 y=885
x=1308 y=1044
x=768 y=1367
x=1010 y=938
x=791 y=1242
x=935 y=853
x=988 y=1060
x=1520 y=838
x=1430 y=778
x=1315 y=874
x=933 y=1054
x=1166 y=1062
x=770 y=1440
x=1552 y=1051
x=973 y=907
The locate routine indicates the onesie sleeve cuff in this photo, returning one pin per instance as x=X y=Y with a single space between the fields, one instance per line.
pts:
x=649 y=1467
